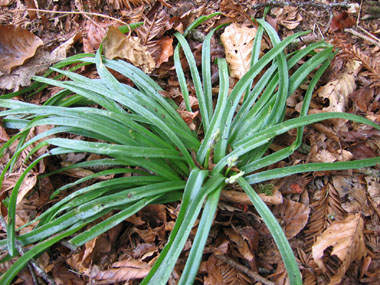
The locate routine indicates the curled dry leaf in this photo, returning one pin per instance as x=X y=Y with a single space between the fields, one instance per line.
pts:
x=238 y=42
x=16 y=46
x=347 y=241
x=118 y=45
x=287 y=17
x=241 y=244
x=294 y=216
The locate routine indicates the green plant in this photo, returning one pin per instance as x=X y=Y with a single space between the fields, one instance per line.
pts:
x=145 y=135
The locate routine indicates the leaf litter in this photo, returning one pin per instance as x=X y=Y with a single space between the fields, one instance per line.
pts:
x=319 y=212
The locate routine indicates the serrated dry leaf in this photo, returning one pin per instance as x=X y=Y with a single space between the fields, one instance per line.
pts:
x=118 y=45
x=16 y=46
x=347 y=241
x=238 y=42
x=338 y=91
x=294 y=216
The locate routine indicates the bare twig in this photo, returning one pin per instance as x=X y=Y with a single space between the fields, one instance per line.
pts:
x=364 y=37
x=79 y=13
x=255 y=276
x=329 y=6
x=32 y=263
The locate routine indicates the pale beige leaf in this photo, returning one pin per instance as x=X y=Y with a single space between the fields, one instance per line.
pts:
x=118 y=45
x=294 y=216
x=337 y=91
x=238 y=42
x=123 y=270
x=327 y=156
x=28 y=184
x=347 y=241
x=274 y=199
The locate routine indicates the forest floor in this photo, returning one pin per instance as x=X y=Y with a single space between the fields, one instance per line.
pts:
x=343 y=206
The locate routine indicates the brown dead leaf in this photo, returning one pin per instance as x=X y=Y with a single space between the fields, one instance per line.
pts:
x=16 y=46
x=241 y=245
x=362 y=98
x=347 y=241
x=341 y=21
x=166 y=50
x=118 y=45
x=123 y=270
x=3 y=134
x=238 y=42
x=294 y=216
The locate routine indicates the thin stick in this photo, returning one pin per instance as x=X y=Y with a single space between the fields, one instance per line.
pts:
x=78 y=13
x=32 y=262
x=255 y=276
x=274 y=3
x=364 y=37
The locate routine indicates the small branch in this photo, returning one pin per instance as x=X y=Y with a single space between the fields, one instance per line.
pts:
x=255 y=276
x=329 y=6
x=78 y=13
x=32 y=263
x=364 y=37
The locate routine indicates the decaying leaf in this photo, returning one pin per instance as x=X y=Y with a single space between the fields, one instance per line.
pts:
x=166 y=50
x=123 y=270
x=338 y=91
x=347 y=241
x=5 y=3
x=241 y=244
x=16 y=46
x=341 y=21
x=294 y=216
x=287 y=17
x=118 y=45
x=40 y=62
x=327 y=156
x=373 y=188
x=3 y=134
x=238 y=42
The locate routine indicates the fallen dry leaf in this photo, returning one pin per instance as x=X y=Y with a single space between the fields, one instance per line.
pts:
x=166 y=50
x=238 y=42
x=287 y=17
x=341 y=21
x=274 y=199
x=40 y=62
x=338 y=91
x=373 y=188
x=347 y=241
x=241 y=245
x=16 y=46
x=294 y=216
x=327 y=156
x=3 y=134
x=123 y=270
x=118 y=45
